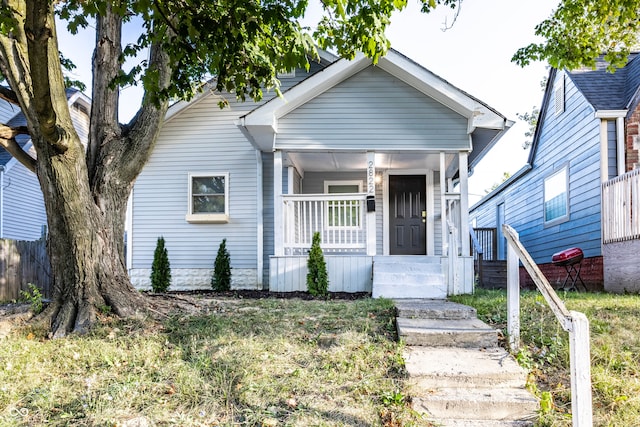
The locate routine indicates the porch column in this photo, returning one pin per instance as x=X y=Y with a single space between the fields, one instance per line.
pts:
x=278 y=225
x=371 y=199
x=464 y=203
x=443 y=203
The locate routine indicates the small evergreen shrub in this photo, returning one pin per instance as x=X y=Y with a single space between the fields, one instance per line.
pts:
x=160 y=269
x=221 y=280
x=317 y=279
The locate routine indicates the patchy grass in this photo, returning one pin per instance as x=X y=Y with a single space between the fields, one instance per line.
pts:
x=615 y=349
x=269 y=362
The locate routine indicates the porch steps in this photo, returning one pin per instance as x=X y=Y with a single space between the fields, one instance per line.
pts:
x=408 y=277
x=460 y=377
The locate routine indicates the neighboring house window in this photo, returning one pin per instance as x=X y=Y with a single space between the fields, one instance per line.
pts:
x=343 y=213
x=558 y=94
x=208 y=197
x=556 y=196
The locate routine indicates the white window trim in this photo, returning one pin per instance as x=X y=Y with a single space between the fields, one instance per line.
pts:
x=566 y=216
x=327 y=184
x=357 y=182
x=211 y=218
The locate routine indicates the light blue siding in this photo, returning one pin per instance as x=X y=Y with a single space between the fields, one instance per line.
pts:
x=375 y=111
x=571 y=138
x=202 y=138
x=267 y=212
x=23 y=206
x=7 y=111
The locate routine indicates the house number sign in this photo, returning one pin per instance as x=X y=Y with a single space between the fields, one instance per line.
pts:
x=371 y=178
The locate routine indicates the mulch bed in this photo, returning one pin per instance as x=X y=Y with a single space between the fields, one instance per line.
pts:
x=254 y=294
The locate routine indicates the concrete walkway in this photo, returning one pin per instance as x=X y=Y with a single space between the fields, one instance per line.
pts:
x=461 y=377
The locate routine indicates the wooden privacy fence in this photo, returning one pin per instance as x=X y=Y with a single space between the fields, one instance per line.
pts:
x=621 y=208
x=21 y=263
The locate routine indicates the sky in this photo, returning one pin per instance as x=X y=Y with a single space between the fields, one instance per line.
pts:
x=473 y=55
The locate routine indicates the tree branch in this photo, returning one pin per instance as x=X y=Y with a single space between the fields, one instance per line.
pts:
x=104 y=127
x=8 y=95
x=142 y=131
x=46 y=73
x=9 y=143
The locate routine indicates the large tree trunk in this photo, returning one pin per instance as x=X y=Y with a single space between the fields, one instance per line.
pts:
x=85 y=189
x=87 y=266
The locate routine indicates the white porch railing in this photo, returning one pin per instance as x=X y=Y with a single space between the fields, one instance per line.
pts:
x=339 y=218
x=621 y=208
x=574 y=322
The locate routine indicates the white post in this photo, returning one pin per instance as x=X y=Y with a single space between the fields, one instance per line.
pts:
x=278 y=220
x=443 y=203
x=604 y=152
x=581 y=400
x=464 y=203
x=622 y=167
x=513 y=297
x=371 y=193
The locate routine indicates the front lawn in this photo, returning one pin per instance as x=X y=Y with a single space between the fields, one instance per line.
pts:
x=232 y=362
x=615 y=352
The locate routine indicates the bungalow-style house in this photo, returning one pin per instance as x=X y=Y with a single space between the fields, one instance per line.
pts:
x=373 y=157
x=571 y=191
x=22 y=212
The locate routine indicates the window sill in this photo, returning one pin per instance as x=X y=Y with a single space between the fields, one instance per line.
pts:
x=207 y=218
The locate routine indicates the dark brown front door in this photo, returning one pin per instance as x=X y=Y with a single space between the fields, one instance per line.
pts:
x=407 y=222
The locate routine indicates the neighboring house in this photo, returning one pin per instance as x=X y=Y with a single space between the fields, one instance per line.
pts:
x=586 y=140
x=22 y=212
x=367 y=155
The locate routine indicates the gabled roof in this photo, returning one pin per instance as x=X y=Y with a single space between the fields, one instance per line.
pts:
x=208 y=88
x=605 y=90
x=261 y=123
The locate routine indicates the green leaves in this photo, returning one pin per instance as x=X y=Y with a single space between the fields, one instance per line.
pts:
x=242 y=44
x=581 y=30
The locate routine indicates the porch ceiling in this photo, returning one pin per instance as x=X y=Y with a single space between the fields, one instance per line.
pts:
x=345 y=161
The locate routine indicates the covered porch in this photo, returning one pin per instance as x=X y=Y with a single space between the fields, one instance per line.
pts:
x=368 y=205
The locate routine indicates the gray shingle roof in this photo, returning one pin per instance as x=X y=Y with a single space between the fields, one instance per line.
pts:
x=605 y=90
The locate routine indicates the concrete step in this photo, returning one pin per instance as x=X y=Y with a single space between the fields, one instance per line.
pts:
x=465 y=333
x=405 y=279
x=433 y=309
x=482 y=423
x=500 y=404
x=435 y=367
x=399 y=290
x=407 y=267
x=394 y=259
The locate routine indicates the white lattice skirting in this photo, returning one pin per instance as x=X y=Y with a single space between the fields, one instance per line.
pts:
x=189 y=279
